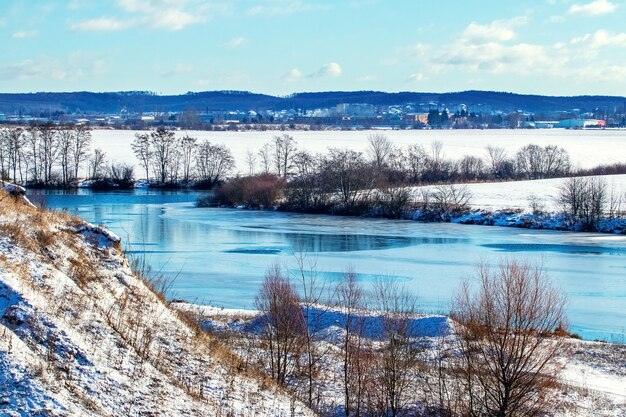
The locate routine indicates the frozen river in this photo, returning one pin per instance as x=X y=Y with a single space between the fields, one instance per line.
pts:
x=218 y=256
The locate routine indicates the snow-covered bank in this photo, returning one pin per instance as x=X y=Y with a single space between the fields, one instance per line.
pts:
x=593 y=381
x=81 y=334
x=510 y=204
x=518 y=195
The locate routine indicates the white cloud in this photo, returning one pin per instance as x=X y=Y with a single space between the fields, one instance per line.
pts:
x=170 y=15
x=74 y=66
x=102 y=24
x=285 y=7
x=329 y=70
x=595 y=8
x=21 y=34
x=556 y=19
x=416 y=77
x=178 y=69
x=75 y=4
x=174 y=19
x=498 y=30
x=494 y=57
x=234 y=78
x=235 y=42
x=293 y=75
x=600 y=38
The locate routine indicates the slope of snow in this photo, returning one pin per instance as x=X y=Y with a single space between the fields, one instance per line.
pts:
x=516 y=195
x=82 y=335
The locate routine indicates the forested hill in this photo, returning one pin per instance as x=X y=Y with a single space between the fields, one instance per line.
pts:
x=136 y=101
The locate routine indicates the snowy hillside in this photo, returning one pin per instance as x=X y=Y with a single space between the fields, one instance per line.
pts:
x=82 y=335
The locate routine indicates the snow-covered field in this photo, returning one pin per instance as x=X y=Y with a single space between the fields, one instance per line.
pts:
x=587 y=148
x=517 y=194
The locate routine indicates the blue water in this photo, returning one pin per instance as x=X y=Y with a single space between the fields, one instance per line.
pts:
x=218 y=256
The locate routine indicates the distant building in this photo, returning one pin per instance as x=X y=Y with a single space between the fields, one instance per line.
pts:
x=581 y=123
x=416 y=118
x=355 y=109
x=542 y=124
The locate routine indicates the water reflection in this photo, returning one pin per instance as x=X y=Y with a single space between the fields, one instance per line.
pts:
x=574 y=249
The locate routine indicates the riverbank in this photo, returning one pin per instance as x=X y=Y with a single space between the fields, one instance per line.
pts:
x=592 y=379
x=522 y=220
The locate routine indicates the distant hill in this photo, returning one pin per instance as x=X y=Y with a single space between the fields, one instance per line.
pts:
x=141 y=101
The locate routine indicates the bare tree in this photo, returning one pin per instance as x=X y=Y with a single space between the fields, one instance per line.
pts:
x=471 y=168
x=510 y=342
x=416 y=162
x=80 y=147
x=556 y=161
x=187 y=155
x=66 y=140
x=250 y=161
x=583 y=200
x=213 y=162
x=285 y=148
x=266 y=157
x=535 y=162
x=15 y=143
x=315 y=302
x=379 y=148
x=350 y=298
x=162 y=142
x=400 y=354
x=392 y=201
x=49 y=149
x=97 y=164
x=143 y=151
x=32 y=137
x=497 y=161
x=283 y=322
x=451 y=198
x=346 y=173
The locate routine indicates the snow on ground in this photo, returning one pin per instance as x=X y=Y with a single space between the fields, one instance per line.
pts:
x=82 y=335
x=587 y=148
x=593 y=378
x=515 y=195
x=320 y=318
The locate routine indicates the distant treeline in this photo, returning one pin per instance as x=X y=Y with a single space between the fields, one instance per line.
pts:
x=141 y=101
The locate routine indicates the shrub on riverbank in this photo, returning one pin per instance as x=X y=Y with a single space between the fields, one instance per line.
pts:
x=256 y=191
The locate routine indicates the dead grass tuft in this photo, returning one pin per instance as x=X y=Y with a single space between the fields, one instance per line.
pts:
x=81 y=271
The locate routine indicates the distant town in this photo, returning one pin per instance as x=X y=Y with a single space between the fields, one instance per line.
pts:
x=226 y=110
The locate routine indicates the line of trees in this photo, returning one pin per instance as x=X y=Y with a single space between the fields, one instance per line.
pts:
x=504 y=358
x=44 y=154
x=345 y=181
x=173 y=160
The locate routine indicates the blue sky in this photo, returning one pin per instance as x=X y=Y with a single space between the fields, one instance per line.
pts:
x=554 y=47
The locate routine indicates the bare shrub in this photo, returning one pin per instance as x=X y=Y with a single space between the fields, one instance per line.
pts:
x=393 y=202
x=262 y=190
x=399 y=354
x=510 y=351
x=583 y=200
x=452 y=198
x=282 y=320
x=356 y=350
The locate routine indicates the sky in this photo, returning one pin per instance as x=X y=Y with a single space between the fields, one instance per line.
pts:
x=550 y=47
